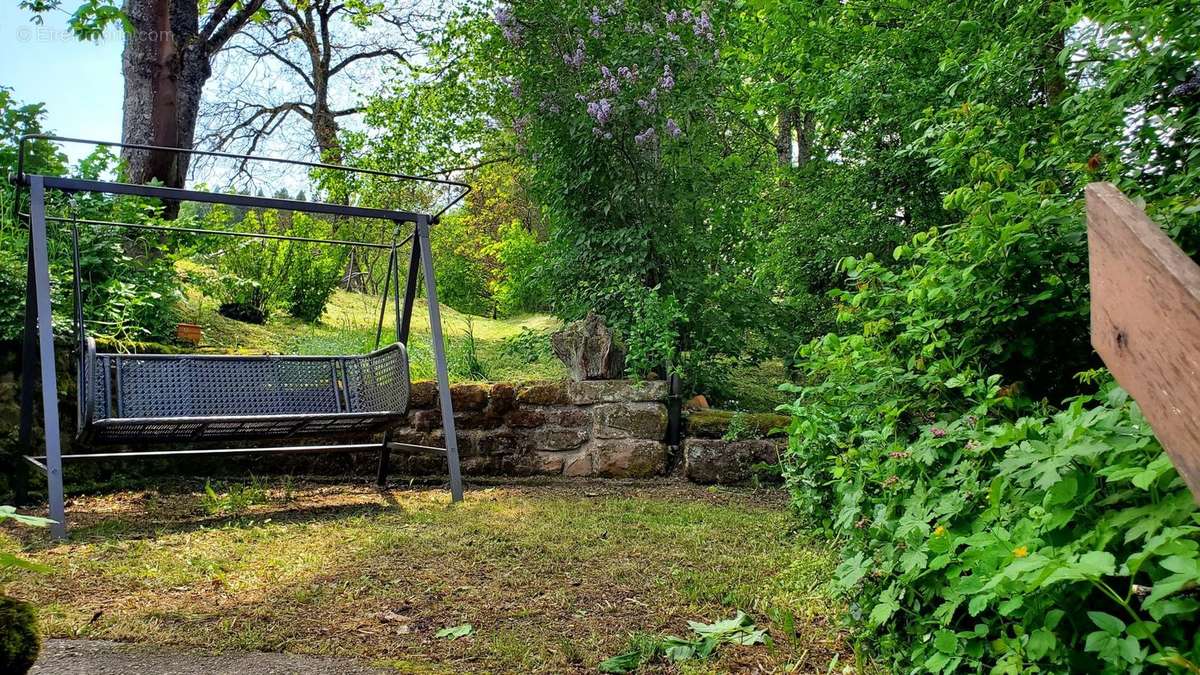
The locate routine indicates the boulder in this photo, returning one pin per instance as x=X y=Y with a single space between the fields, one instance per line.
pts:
x=589 y=350
x=714 y=461
x=630 y=420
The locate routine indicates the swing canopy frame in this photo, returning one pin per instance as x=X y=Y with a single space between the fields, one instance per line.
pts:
x=138 y=400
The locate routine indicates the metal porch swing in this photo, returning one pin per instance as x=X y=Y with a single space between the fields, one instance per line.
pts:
x=144 y=399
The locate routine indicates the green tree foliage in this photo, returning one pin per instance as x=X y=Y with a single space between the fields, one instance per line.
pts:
x=490 y=254
x=129 y=289
x=617 y=108
x=986 y=529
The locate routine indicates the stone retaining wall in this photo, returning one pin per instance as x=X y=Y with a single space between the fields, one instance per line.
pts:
x=605 y=428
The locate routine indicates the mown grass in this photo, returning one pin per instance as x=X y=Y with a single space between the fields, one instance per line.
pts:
x=554 y=577
x=349 y=327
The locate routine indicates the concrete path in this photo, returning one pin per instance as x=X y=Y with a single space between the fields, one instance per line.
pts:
x=101 y=657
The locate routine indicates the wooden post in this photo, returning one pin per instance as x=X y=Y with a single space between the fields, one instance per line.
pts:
x=1146 y=321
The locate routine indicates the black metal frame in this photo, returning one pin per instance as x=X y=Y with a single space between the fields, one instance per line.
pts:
x=39 y=339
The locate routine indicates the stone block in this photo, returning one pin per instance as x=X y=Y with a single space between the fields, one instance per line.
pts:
x=630 y=420
x=423 y=395
x=477 y=419
x=589 y=349
x=710 y=460
x=715 y=424
x=526 y=418
x=628 y=458
x=427 y=420
x=614 y=391
x=542 y=393
x=570 y=417
x=544 y=462
x=502 y=398
x=554 y=439
x=468 y=397
x=577 y=465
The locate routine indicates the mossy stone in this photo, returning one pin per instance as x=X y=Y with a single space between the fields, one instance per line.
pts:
x=715 y=423
x=19 y=643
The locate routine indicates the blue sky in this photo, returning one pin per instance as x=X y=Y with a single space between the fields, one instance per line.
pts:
x=80 y=82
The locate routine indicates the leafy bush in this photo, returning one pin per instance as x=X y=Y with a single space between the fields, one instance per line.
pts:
x=986 y=529
x=1007 y=544
x=19 y=641
x=528 y=346
x=740 y=630
x=522 y=285
x=256 y=276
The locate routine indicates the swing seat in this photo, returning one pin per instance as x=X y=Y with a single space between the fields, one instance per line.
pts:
x=155 y=398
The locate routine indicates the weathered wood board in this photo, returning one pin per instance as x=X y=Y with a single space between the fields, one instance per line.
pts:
x=1146 y=321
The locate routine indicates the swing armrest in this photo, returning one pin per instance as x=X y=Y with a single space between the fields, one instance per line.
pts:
x=84 y=383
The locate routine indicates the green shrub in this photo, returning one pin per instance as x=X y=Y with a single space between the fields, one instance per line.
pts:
x=985 y=542
x=19 y=641
x=528 y=346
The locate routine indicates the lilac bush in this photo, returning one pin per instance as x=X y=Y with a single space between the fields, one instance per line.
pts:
x=604 y=93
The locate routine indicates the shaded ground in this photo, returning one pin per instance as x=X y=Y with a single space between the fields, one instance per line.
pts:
x=104 y=657
x=554 y=576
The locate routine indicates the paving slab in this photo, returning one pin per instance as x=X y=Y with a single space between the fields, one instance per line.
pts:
x=103 y=657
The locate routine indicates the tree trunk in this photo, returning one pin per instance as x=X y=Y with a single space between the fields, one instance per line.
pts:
x=804 y=133
x=1054 y=77
x=783 y=136
x=165 y=65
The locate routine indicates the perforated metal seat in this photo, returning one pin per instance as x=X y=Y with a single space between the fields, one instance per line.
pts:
x=166 y=398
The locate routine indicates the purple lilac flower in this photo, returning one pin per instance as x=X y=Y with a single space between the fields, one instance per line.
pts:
x=673 y=128
x=520 y=124
x=646 y=137
x=672 y=16
x=595 y=17
x=609 y=82
x=508 y=24
x=672 y=37
x=686 y=16
x=514 y=87
x=629 y=74
x=667 y=81
x=703 y=27
x=600 y=111
x=575 y=58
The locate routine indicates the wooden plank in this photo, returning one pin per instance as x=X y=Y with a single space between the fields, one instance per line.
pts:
x=1146 y=321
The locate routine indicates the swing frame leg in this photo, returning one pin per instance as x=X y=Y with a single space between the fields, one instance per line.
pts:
x=439 y=356
x=39 y=262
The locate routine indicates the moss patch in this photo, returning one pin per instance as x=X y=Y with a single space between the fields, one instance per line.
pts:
x=716 y=423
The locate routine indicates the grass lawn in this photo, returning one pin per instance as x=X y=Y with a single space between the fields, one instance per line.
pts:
x=478 y=348
x=553 y=576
